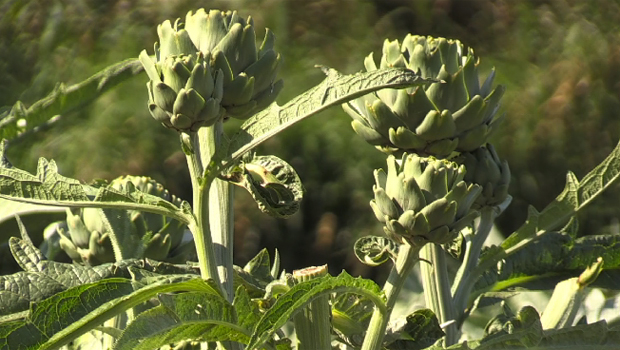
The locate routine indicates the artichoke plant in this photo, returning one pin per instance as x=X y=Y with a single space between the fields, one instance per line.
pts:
x=455 y=114
x=423 y=200
x=86 y=237
x=210 y=68
x=486 y=169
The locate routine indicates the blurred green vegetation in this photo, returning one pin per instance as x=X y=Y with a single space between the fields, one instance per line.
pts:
x=560 y=61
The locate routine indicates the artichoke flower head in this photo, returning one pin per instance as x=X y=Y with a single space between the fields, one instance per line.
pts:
x=455 y=114
x=208 y=69
x=85 y=237
x=423 y=200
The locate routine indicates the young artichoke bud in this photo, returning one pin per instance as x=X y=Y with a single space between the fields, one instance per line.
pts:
x=249 y=72
x=456 y=114
x=87 y=239
x=423 y=200
x=184 y=93
x=486 y=169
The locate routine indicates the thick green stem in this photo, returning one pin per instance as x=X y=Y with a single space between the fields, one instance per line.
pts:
x=406 y=260
x=436 y=285
x=222 y=218
x=200 y=230
x=312 y=323
x=473 y=246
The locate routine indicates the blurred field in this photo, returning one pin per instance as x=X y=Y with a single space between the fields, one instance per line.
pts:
x=560 y=60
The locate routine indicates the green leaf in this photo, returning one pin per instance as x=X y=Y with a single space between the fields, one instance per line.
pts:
x=200 y=316
x=553 y=254
x=420 y=331
x=375 y=250
x=575 y=196
x=334 y=90
x=63 y=99
x=48 y=187
x=303 y=293
x=351 y=315
x=43 y=278
x=69 y=314
x=272 y=182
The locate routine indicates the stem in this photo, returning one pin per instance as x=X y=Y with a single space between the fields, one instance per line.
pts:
x=436 y=285
x=474 y=242
x=406 y=260
x=312 y=323
x=200 y=229
x=221 y=219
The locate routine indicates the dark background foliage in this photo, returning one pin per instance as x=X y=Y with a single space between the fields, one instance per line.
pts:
x=560 y=60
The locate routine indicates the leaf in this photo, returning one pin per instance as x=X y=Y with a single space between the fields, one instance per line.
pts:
x=48 y=187
x=335 y=89
x=273 y=183
x=44 y=278
x=303 y=293
x=63 y=99
x=575 y=196
x=420 y=330
x=200 y=316
x=351 y=315
x=552 y=254
x=375 y=250
x=69 y=314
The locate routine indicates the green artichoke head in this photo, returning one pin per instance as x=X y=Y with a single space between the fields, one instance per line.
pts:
x=423 y=200
x=210 y=68
x=87 y=239
x=492 y=174
x=455 y=114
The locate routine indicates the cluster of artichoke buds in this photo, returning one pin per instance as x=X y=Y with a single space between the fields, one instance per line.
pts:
x=210 y=68
x=85 y=237
x=455 y=114
x=423 y=200
x=486 y=169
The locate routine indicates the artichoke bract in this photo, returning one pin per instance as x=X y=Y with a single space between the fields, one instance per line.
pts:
x=210 y=68
x=486 y=169
x=423 y=200
x=86 y=238
x=455 y=114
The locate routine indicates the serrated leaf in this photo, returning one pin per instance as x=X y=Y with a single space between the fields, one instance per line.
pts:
x=48 y=187
x=273 y=183
x=334 y=90
x=552 y=254
x=200 y=316
x=46 y=278
x=375 y=250
x=303 y=293
x=351 y=315
x=63 y=99
x=420 y=330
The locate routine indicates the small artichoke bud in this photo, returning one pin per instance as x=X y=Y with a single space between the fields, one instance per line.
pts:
x=86 y=239
x=486 y=169
x=423 y=200
x=456 y=114
x=210 y=68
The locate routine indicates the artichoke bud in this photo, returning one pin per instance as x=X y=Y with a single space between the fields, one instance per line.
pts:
x=454 y=115
x=485 y=169
x=423 y=200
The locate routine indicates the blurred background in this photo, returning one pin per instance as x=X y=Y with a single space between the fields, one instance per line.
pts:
x=560 y=61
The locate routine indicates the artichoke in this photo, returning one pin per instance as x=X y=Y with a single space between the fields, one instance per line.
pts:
x=485 y=169
x=456 y=114
x=210 y=68
x=86 y=237
x=423 y=200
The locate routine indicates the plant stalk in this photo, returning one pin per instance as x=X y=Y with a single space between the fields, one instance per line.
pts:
x=473 y=246
x=436 y=285
x=405 y=261
x=312 y=324
x=200 y=197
